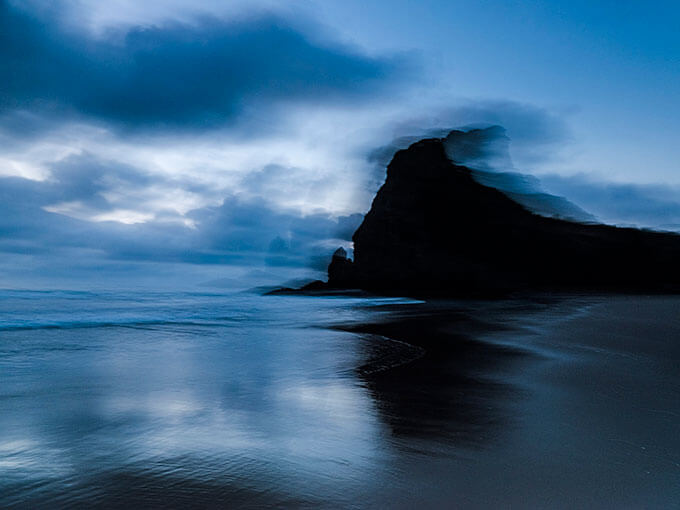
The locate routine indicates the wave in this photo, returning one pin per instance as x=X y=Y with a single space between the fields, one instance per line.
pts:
x=109 y=324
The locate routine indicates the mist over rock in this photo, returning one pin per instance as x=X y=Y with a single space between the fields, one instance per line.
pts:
x=526 y=190
x=481 y=149
x=486 y=151
x=435 y=228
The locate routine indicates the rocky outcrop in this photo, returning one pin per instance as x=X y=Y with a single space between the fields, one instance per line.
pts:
x=341 y=268
x=435 y=229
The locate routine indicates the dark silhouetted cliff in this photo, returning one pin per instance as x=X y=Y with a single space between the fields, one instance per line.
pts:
x=435 y=229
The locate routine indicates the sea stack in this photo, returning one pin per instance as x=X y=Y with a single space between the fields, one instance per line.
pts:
x=435 y=229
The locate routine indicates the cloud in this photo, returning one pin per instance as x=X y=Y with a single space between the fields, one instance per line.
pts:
x=524 y=123
x=89 y=187
x=243 y=230
x=202 y=74
x=252 y=228
x=536 y=134
x=648 y=205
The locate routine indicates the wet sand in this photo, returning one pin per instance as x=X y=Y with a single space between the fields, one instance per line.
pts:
x=547 y=403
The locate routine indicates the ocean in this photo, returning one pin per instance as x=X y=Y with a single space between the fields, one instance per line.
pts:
x=234 y=400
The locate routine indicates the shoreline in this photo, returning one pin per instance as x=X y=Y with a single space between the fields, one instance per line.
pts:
x=321 y=288
x=530 y=403
x=574 y=402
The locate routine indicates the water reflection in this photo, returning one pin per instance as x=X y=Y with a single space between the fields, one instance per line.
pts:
x=260 y=410
x=439 y=382
x=248 y=401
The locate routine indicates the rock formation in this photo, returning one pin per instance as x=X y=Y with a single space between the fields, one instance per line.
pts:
x=436 y=229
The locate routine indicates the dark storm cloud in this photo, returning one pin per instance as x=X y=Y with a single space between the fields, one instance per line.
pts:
x=196 y=75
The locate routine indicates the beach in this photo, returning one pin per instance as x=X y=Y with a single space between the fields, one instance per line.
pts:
x=565 y=403
x=219 y=400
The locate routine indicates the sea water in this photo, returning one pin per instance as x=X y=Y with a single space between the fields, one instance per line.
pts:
x=182 y=399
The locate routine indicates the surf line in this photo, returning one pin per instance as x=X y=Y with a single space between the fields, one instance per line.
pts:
x=390 y=360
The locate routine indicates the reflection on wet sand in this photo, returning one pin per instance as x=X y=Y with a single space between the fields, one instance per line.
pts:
x=438 y=381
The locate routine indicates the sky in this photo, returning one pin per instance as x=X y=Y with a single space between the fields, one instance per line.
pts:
x=212 y=142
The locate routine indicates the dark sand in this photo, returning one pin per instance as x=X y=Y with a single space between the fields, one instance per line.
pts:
x=548 y=403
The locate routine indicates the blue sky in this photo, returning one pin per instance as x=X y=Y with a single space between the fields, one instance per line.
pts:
x=247 y=137
x=610 y=69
